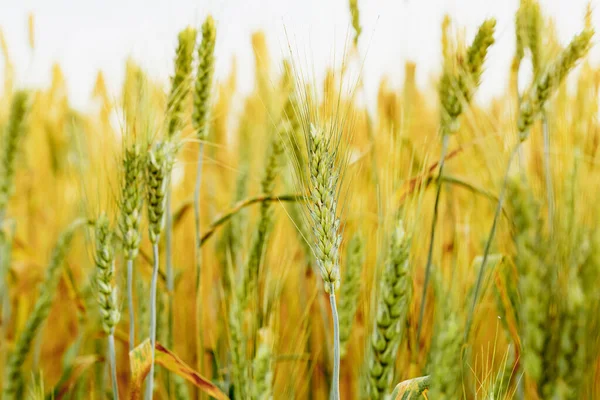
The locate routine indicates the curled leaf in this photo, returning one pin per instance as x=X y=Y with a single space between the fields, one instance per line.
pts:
x=140 y=359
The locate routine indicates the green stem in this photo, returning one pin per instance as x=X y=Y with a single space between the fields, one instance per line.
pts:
x=490 y=239
x=112 y=358
x=130 y=304
x=199 y=338
x=445 y=141
x=335 y=379
x=150 y=378
x=170 y=278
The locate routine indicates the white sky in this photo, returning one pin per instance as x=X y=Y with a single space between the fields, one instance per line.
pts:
x=84 y=36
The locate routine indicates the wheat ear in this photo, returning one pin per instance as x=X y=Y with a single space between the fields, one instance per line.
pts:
x=395 y=295
x=350 y=289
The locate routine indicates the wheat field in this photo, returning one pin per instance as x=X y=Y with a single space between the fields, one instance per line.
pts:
x=429 y=246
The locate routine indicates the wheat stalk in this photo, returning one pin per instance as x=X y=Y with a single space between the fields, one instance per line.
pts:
x=457 y=85
x=531 y=107
x=176 y=102
x=130 y=216
x=107 y=292
x=202 y=91
x=158 y=169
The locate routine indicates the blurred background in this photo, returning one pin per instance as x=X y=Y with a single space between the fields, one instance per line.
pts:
x=87 y=36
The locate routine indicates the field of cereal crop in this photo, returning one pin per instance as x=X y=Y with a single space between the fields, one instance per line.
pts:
x=310 y=246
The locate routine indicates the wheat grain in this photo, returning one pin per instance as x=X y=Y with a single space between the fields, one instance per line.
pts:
x=395 y=295
x=350 y=289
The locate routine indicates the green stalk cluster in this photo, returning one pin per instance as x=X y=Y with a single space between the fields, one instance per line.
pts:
x=350 y=289
x=570 y=361
x=395 y=295
x=533 y=279
x=265 y=222
x=13 y=381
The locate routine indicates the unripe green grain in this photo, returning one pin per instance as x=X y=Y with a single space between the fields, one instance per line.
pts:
x=460 y=78
x=180 y=82
x=355 y=14
x=14 y=132
x=106 y=291
x=322 y=205
x=549 y=81
x=395 y=295
x=477 y=53
x=132 y=198
x=105 y=271
x=262 y=367
x=446 y=371
x=204 y=77
x=158 y=166
x=350 y=289
x=571 y=352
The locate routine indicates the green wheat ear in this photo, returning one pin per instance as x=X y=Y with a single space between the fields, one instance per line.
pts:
x=180 y=82
x=158 y=166
x=14 y=133
x=322 y=205
x=549 y=81
x=446 y=362
x=355 y=14
x=395 y=295
x=132 y=198
x=461 y=77
x=105 y=271
x=350 y=289
x=206 y=66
